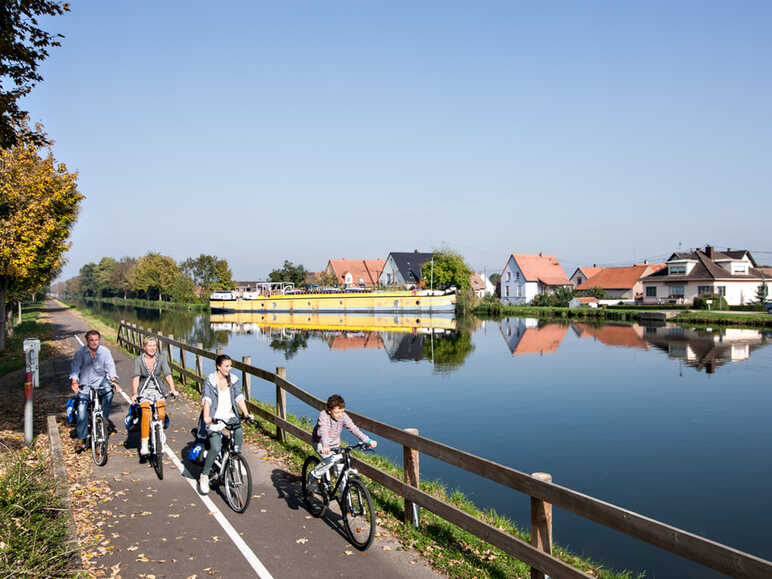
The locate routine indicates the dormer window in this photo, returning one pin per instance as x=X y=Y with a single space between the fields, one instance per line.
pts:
x=739 y=268
x=679 y=269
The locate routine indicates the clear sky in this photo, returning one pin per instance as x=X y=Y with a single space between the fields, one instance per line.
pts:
x=602 y=132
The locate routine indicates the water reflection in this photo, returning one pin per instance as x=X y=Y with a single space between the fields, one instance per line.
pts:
x=703 y=349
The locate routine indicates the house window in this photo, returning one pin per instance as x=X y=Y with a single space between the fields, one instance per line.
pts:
x=651 y=291
x=739 y=268
x=506 y=290
x=579 y=280
x=518 y=291
x=704 y=289
x=677 y=291
x=509 y=276
x=676 y=269
x=517 y=275
x=721 y=290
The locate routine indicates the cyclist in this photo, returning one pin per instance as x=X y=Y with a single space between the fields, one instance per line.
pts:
x=92 y=367
x=326 y=435
x=222 y=400
x=150 y=368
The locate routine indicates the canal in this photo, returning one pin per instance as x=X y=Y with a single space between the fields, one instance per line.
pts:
x=669 y=422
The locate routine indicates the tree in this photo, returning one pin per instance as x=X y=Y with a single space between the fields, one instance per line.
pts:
x=103 y=276
x=39 y=203
x=182 y=289
x=563 y=295
x=154 y=275
x=450 y=270
x=289 y=272
x=88 y=279
x=494 y=277
x=120 y=281
x=208 y=272
x=762 y=291
x=23 y=46
x=594 y=292
x=328 y=279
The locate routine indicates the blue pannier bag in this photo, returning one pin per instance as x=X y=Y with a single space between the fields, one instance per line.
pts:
x=166 y=421
x=69 y=408
x=196 y=453
x=132 y=418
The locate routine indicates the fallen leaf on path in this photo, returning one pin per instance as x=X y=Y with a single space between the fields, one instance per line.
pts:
x=302 y=541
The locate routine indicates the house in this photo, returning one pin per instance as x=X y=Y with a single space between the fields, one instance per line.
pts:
x=403 y=268
x=481 y=285
x=355 y=272
x=687 y=275
x=622 y=283
x=583 y=302
x=527 y=275
x=584 y=273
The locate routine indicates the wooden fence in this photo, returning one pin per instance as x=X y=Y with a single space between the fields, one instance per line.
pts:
x=543 y=492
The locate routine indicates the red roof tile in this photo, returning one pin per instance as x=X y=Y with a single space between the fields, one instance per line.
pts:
x=541 y=267
x=618 y=277
x=368 y=270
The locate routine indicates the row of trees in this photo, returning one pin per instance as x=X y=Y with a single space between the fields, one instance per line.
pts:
x=153 y=276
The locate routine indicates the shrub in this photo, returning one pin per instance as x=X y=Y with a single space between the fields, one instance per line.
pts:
x=718 y=302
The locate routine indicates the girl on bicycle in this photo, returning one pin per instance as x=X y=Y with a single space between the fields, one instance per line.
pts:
x=221 y=400
x=150 y=368
x=326 y=435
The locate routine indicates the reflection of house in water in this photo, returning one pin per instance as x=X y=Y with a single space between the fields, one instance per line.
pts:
x=703 y=349
x=360 y=341
x=625 y=336
x=526 y=336
x=404 y=346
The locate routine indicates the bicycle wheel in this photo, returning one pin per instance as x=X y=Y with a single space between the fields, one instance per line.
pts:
x=314 y=498
x=99 y=441
x=358 y=514
x=158 y=452
x=238 y=483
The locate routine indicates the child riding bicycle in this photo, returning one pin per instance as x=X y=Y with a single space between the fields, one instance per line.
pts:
x=326 y=436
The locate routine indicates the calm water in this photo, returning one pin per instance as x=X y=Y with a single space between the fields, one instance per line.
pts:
x=659 y=420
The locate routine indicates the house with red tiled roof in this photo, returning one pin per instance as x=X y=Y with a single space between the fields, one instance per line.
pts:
x=356 y=272
x=735 y=275
x=622 y=283
x=582 y=274
x=481 y=285
x=527 y=275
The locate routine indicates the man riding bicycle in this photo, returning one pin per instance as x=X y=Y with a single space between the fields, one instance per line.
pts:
x=92 y=367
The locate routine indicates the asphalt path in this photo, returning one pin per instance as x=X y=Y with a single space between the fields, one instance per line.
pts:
x=165 y=528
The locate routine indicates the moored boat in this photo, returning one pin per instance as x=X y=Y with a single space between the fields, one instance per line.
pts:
x=425 y=301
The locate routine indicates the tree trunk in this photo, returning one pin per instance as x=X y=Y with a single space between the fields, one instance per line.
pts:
x=3 y=294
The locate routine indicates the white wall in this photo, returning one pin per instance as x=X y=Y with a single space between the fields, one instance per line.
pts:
x=737 y=292
x=516 y=291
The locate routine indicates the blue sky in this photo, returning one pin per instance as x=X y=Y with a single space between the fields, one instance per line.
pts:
x=602 y=132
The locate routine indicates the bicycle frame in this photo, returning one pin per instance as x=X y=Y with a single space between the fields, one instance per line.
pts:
x=347 y=472
x=227 y=448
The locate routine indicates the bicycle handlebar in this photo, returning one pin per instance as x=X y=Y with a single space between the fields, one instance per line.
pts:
x=363 y=446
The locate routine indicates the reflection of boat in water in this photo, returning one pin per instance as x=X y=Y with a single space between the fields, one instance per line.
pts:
x=400 y=302
x=338 y=322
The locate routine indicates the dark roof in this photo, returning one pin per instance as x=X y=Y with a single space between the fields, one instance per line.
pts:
x=409 y=264
x=706 y=267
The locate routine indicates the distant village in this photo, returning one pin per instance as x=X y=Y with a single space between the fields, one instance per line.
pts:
x=731 y=275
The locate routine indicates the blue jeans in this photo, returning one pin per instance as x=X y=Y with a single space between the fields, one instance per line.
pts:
x=215 y=445
x=105 y=393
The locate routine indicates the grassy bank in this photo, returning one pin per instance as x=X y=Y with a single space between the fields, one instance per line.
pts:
x=13 y=356
x=493 y=309
x=761 y=320
x=33 y=529
x=150 y=304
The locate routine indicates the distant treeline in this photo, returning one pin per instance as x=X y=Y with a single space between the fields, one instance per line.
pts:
x=151 y=277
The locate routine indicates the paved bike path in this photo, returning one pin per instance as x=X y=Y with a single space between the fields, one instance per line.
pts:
x=163 y=528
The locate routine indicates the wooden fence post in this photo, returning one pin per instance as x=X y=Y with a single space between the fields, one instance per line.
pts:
x=120 y=328
x=411 y=477
x=183 y=377
x=281 y=402
x=541 y=524
x=246 y=377
x=199 y=366
x=134 y=338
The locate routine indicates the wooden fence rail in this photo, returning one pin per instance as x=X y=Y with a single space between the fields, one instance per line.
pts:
x=688 y=545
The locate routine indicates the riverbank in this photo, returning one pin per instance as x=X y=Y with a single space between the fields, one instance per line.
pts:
x=150 y=304
x=749 y=320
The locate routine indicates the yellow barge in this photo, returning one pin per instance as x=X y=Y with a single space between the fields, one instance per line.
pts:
x=381 y=302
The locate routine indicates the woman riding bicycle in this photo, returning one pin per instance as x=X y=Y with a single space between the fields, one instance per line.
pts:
x=221 y=400
x=150 y=370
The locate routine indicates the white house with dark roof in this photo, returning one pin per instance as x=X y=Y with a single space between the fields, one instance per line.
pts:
x=687 y=275
x=403 y=268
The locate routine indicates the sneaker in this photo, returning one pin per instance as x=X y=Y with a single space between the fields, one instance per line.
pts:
x=203 y=483
x=79 y=447
x=143 y=449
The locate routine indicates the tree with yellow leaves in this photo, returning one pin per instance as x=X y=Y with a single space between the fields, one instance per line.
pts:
x=39 y=203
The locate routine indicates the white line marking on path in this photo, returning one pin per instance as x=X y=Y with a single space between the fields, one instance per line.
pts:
x=241 y=545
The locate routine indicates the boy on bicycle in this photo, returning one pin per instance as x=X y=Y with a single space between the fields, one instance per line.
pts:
x=326 y=435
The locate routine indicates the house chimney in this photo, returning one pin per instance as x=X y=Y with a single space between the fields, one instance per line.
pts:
x=540 y=255
x=415 y=251
x=645 y=262
x=594 y=265
x=709 y=251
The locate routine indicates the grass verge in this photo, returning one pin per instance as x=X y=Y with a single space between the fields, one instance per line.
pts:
x=33 y=529
x=487 y=309
x=13 y=356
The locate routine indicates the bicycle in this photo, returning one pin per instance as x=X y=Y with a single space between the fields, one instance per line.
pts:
x=352 y=495
x=157 y=440
x=97 y=431
x=232 y=469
